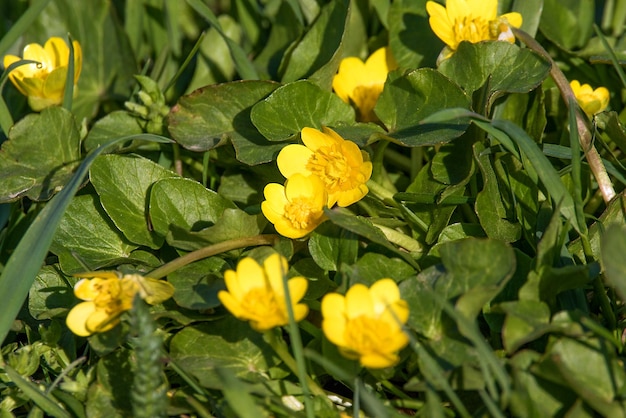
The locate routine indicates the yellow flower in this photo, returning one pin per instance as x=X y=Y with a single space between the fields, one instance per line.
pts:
x=341 y=165
x=590 y=101
x=256 y=293
x=296 y=208
x=366 y=324
x=472 y=21
x=44 y=83
x=107 y=296
x=360 y=83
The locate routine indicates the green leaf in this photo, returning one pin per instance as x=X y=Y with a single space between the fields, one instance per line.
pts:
x=184 y=203
x=613 y=245
x=526 y=320
x=499 y=66
x=490 y=209
x=123 y=183
x=331 y=247
x=203 y=119
x=197 y=284
x=363 y=227
x=408 y=21
x=86 y=236
x=373 y=266
x=278 y=119
x=317 y=55
x=51 y=294
x=226 y=343
x=531 y=11
x=409 y=98
x=568 y=23
x=114 y=124
x=40 y=156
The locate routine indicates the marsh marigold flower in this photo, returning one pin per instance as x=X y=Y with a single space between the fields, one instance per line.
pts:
x=296 y=208
x=107 y=296
x=255 y=293
x=341 y=165
x=360 y=83
x=472 y=21
x=44 y=83
x=590 y=101
x=366 y=324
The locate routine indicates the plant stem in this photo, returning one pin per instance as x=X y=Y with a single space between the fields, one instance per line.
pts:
x=593 y=158
x=211 y=250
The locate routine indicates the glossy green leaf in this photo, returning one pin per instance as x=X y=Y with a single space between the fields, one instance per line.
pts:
x=317 y=54
x=409 y=98
x=227 y=343
x=197 y=284
x=372 y=267
x=114 y=124
x=203 y=119
x=123 y=183
x=86 y=238
x=51 y=294
x=278 y=118
x=531 y=13
x=613 y=245
x=331 y=247
x=411 y=39
x=494 y=217
x=567 y=23
x=499 y=66
x=184 y=203
x=526 y=320
x=40 y=156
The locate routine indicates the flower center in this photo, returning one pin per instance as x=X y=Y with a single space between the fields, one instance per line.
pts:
x=261 y=304
x=331 y=165
x=300 y=212
x=365 y=334
x=114 y=295
x=472 y=29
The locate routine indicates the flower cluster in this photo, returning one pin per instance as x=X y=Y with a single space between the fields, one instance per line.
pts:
x=590 y=101
x=472 y=21
x=325 y=171
x=366 y=323
x=107 y=296
x=360 y=83
x=43 y=82
x=256 y=293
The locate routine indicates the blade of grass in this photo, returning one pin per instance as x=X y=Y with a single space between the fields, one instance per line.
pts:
x=185 y=63
x=32 y=392
x=22 y=24
x=68 y=92
x=24 y=264
x=611 y=52
x=237 y=395
x=244 y=67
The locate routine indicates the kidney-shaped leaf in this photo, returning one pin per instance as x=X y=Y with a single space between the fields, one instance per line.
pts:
x=40 y=155
x=410 y=98
x=506 y=68
x=298 y=105
x=123 y=183
x=204 y=118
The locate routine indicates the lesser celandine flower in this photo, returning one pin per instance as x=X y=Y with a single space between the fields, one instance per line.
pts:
x=590 y=101
x=296 y=208
x=366 y=324
x=44 y=83
x=360 y=83
x=107 y=296
x=472 y=21
x=256 y=293
x=342 y=166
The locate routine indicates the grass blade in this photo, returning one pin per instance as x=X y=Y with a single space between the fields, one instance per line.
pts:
x=21 y=25
x=24 y=264
x=68 y=92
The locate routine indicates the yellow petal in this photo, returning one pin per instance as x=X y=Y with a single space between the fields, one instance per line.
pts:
x=297 y=288
x=514 y=19
x=300 y=311
x=314 y=139
x=85 y=289
x=77 y=318
x=36 y=52
x=101 y=321
x=233 y=306
x=276 y=269
x=155 y=291
x=275 y=197
x=379 y=360
x=293 y=159
x=359 y=302
x=250 y=275
x=335 y=330
x=378 y=66
x=384 y=293
x=54 y=85
x=58 y=51
x=78 y=60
